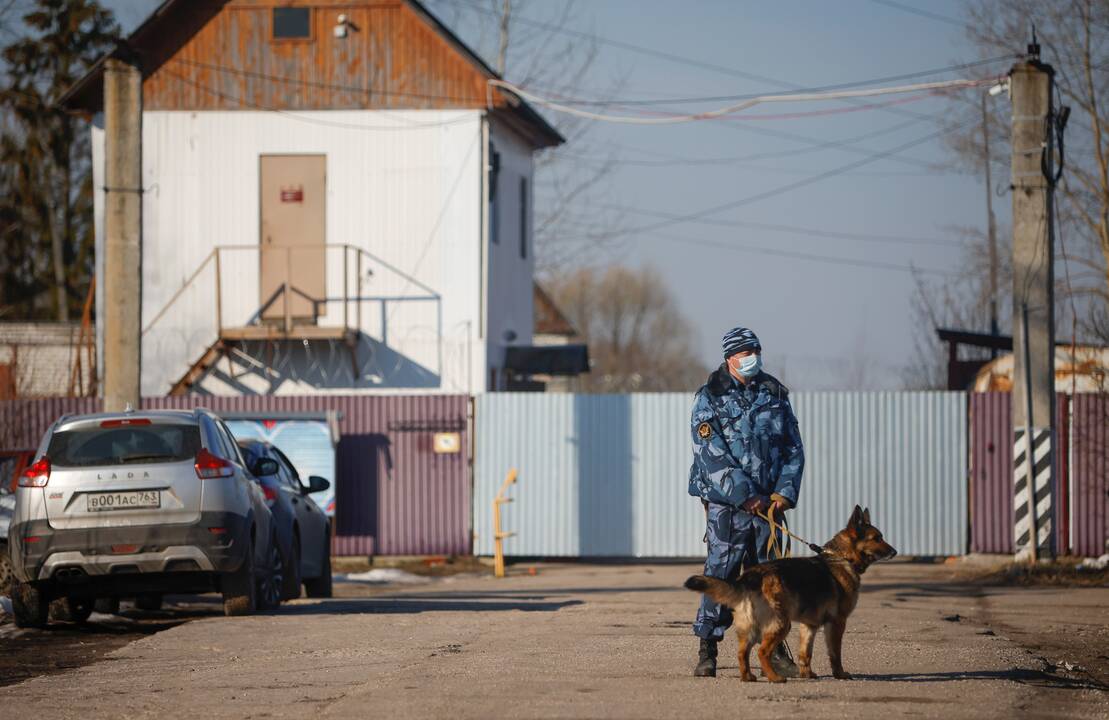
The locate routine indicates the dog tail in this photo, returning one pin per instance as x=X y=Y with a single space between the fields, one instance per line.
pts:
x=719 y=590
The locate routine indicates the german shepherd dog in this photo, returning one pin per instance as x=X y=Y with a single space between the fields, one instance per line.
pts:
x=817 y=591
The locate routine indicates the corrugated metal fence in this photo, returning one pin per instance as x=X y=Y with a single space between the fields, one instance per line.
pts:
x=1089 y=486
x=991 y=473
x=607 y=475
x=394 y=494
x=1081 y=463
x=23 y=422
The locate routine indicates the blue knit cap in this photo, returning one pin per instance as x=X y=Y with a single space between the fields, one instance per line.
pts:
x=738 y=340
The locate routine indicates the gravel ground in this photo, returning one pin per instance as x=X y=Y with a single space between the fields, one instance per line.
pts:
x=590 y=641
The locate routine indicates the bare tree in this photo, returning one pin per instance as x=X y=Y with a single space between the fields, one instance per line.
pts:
x=960 y=302
x=1074 y=41
x=638 y=341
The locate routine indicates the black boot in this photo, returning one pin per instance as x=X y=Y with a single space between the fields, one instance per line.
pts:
x=706 y=660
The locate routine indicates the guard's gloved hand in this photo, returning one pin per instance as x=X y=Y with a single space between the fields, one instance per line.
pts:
x=781 y=504
x=755 y=504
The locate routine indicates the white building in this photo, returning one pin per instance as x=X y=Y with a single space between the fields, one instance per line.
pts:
x=335 y=200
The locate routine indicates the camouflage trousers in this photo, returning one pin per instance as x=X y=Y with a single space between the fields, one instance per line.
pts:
x=735 y=539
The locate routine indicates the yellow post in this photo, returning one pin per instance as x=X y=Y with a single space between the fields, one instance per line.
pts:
x=498 y=535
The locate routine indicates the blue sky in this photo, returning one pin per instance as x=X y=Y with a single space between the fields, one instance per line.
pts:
x=817 y=320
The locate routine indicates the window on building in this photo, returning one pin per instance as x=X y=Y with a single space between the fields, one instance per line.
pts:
x=494 y=215
x=292 y=23
x=523 y=217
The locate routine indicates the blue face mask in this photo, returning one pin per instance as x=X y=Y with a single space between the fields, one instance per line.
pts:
x=749 y=366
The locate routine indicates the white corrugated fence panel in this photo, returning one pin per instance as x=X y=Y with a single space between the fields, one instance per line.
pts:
x=902 y=454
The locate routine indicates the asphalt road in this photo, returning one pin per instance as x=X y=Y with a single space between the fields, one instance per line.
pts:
x=590 y=641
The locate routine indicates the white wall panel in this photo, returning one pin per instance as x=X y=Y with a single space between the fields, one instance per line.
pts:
x=404 y=186
x=510 y=274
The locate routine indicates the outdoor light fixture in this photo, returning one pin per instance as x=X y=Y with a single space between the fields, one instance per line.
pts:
x=1000 y=87
x=341 y=25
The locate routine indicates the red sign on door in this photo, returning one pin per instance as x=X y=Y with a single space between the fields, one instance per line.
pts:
x=292 y=195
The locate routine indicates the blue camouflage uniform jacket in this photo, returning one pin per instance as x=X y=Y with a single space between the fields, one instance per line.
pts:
x=745 y=441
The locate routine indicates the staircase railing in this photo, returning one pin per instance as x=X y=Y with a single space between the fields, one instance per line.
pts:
x=355 y=258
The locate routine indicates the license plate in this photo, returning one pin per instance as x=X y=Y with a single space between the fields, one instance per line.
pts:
x=124 y=500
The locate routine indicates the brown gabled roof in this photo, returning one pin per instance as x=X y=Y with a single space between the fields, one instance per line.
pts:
x=154 y=41
x=549 y=320
x=175 y=22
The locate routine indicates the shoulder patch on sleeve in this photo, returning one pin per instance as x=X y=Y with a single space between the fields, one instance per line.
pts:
x=704 y=430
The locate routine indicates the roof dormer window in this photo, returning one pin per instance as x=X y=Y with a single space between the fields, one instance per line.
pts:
x=292 y=23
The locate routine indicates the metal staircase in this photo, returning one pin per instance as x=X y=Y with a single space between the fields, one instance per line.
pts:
x=267 y=325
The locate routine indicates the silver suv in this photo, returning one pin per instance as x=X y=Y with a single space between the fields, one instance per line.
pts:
x=135 y=505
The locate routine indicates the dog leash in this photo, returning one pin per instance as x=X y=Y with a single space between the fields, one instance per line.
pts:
x=778 y=545
x=776 y=527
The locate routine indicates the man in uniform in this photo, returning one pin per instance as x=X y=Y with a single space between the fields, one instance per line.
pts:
x=747 y=459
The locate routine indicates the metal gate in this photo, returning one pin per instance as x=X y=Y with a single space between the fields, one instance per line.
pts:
x=606 y=475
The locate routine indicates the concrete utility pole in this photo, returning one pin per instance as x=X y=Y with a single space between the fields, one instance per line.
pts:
x=1032 y=84
x=123 y=234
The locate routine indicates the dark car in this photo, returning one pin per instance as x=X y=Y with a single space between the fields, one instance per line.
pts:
x=303 y=529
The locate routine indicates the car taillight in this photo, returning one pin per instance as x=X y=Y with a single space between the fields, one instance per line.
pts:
x=209 y=467
x=125 y=422
x=37 y=475
x=270 y=493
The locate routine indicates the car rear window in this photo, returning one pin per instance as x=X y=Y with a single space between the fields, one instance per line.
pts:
x=160 y=443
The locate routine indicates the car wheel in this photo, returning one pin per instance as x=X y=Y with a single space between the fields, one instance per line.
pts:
x=5 y=569
x=320 y=587
x=29 y=606
x=291 y=589
x=148 y=601
x=271 y=578
x=239 y=596
x=69 y=609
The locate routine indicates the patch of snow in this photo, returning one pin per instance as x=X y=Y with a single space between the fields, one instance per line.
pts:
x=383 y=576
x=1095 y=564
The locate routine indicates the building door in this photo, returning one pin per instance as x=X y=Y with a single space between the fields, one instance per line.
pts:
x=293 y=231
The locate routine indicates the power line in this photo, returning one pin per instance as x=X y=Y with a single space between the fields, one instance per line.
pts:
x=872 y=264
x=732 y=163
x=793 y=229
x=811 y=89
x=716 y=209
x=643 y=50
x=943 y=85
x=817 y=143
x=801 y=114
x=812 y=146
x=922 y=13
x=650 y=52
